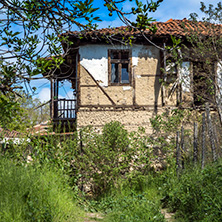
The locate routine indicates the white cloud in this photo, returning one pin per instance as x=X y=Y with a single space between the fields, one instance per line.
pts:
x=114 y=23
x=44 y=95
x=179 y=9
x=168 y=9
x=70 y=95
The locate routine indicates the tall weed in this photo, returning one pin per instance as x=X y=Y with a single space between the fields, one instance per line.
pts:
x=33 y=194
x=196 y=195
x=134 y=199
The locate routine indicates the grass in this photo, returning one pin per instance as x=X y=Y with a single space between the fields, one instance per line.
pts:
x=28 y=193
x=131 y=200
x=33 y=194
x=196 y=194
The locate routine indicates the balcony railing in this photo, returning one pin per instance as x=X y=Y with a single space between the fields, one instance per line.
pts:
x=65 y=109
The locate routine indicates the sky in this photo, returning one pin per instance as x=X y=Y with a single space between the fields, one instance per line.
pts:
x=176 y=9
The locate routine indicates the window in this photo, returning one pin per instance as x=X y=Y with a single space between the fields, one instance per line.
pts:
x=203 y=82
x=119 y=67
x=185 y=77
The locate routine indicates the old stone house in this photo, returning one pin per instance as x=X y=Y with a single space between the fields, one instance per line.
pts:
x=113 y=79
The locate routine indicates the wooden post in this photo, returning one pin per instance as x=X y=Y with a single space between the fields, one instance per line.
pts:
x=210 y=131
x=195 y=135
x=216 y=139
x=81 y=144
x=164 y=75
x=177 y=153
x=203 y=140
x=179 y=88
x=52 y=99
x=182 y=146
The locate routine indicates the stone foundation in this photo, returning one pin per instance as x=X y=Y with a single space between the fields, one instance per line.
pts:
x=131 y=119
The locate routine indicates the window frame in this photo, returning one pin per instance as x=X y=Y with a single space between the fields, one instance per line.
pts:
x=119 y=62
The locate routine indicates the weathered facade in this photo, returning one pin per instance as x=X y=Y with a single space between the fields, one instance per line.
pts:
x=102 y=99
x=122 y=82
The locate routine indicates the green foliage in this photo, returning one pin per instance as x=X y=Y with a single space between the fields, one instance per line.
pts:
x=169 y=122
x=31 y=29
x=31 y=111
x=165 y=126
x=92 y=161
x=196 y=195
x=33 y=194
x=13 y=115
x=134 y=199
x=19 y=111
x=105 y=157
x=32 y=44
x=134 y=207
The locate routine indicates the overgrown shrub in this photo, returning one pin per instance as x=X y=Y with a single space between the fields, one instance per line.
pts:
x=134 y=207
x=196 y=195
x=104 y=158
x=93 y=162
x=134 y=199
x=33 y=194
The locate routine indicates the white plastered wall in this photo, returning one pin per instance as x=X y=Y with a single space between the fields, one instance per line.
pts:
x=94 y=58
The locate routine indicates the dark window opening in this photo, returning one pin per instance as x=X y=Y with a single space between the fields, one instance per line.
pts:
x=203 y=83
x=119 y=67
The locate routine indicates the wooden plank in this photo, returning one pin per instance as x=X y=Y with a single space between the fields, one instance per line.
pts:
x=178 y=153
x=109 y=67
x=130 y=70
x=210 y=131
x=78 y=84
x=195 y=139
x=203 y=140
x=163 y=91
x=89 y=86
x=182 y=147
x=52 y=98
x=134 y=87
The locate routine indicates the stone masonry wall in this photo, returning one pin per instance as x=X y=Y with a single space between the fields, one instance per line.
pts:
x=132 y=105
x=131 y=119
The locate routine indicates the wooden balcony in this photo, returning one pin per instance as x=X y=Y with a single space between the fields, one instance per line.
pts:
x=64 y=117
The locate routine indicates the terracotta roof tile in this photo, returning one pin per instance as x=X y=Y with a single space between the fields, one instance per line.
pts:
x=179 y=28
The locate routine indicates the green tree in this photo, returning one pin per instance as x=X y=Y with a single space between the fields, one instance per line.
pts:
x=31 y=31
x=202 y=47
x=206 y=49
x=21 y=111
x=36 y=111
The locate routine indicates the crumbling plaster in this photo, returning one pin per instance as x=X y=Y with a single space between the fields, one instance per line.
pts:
x=145 y=91
x=94 y=58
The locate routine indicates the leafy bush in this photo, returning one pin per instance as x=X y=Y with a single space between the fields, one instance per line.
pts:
x=94 y=162
x=135 y=199
x=135 y=207
x=104 y=158
x=196 y=195
x=30 y=194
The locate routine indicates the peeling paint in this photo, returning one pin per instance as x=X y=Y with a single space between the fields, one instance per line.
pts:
x=94 y=58
x=126 y=88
